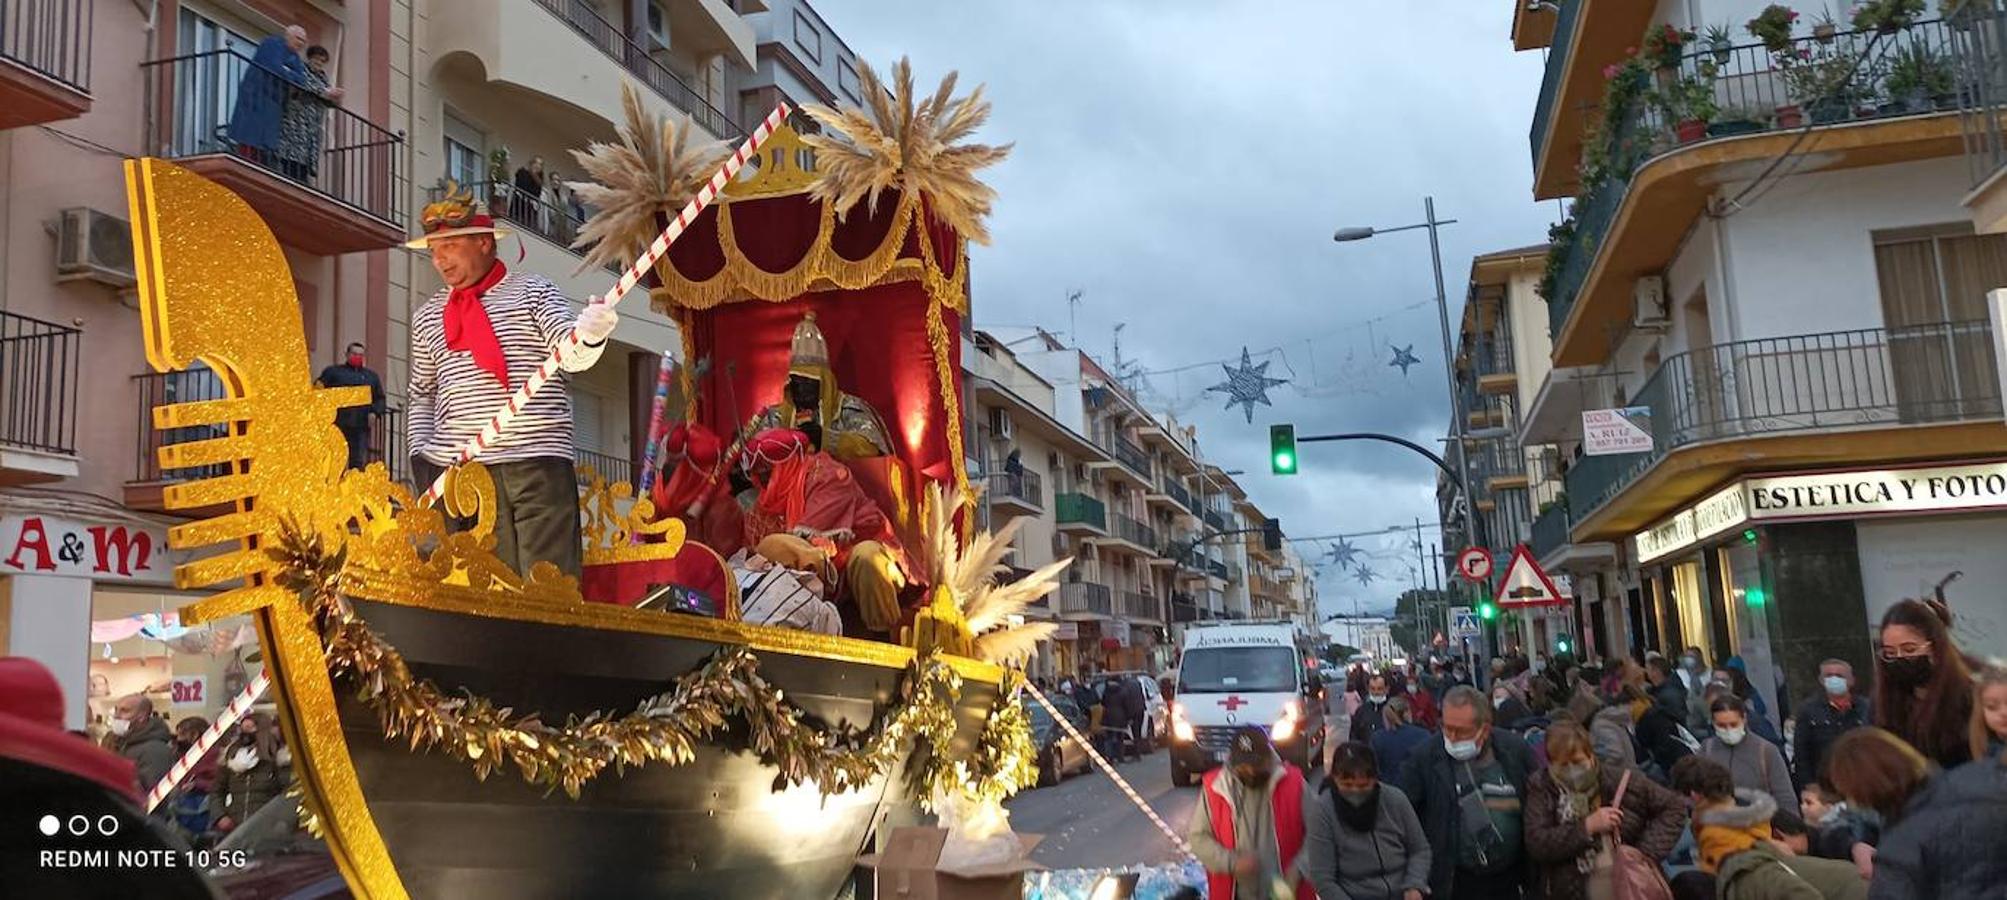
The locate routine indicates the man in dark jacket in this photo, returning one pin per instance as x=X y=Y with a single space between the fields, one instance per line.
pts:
x=354 y=420
x=1467 y=790
x=142 y=738
x=1667 y=691
x=1115 y=718
x=1837 y=710
x=1368 y=720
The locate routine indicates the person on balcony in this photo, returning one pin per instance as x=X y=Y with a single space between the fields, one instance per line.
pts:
x=276 y=71
x=354 y=421
x=472 y=344
x=526 y=201
x=305 y=117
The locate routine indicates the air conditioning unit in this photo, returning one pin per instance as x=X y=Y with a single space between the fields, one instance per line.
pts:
x=94 y=246
x=1650 y=295
x=1000 y=427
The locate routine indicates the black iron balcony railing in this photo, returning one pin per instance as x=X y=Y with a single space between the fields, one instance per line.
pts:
x=1128 y=454
x=1718 y=93
x=1979 y=52
x=1138 y=605
x=1184 y=608
x=1550 y=80
x=161 y=389
x=603 y=34
x=52 y=37
x=610 y=467
x=1218 y=569
x=1080 y=509
x=386 y=444
x=1550 y=528
x=1026 y=487
x=38 y=384
x=1128 y=529
x=1176 y=491
x=1919 y=374
x=1215 y=520
x=220 y=102
x=556 y=222
x=1085 y=597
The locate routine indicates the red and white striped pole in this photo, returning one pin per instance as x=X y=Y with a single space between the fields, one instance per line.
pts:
x=628 y=279
x=1122 y=784
x=225 y=720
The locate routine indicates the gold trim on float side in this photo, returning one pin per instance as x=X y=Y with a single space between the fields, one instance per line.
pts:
x=396 y=591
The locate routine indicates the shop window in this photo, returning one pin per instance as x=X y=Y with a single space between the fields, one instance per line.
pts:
x=139 y=647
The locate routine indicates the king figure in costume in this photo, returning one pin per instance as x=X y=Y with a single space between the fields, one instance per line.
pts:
x=472 y=345
x=851 y=428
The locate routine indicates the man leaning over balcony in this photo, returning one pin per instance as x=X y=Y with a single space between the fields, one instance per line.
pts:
x=477 y=340
x=267 y=83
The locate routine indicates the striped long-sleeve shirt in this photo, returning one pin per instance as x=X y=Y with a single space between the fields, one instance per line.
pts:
x=450 y=398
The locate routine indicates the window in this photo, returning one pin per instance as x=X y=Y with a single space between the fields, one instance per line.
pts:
x=1933 y=284
x=807 y=37
x=206 y=91
x=846 y=80
x=1226 y=670
x=658 y=26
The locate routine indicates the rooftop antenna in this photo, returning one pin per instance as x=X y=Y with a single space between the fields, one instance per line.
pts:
x=1073 y=316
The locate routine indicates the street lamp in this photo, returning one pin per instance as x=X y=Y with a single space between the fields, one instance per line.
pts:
x=1457 y=422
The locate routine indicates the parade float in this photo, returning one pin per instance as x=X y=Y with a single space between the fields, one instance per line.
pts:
x=460 y=728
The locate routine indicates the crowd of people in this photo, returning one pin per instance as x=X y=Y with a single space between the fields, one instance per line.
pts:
x=237 y=777
x=1633 y=779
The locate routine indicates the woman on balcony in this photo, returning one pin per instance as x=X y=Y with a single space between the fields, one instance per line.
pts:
x=306 y=113
x=527 y=199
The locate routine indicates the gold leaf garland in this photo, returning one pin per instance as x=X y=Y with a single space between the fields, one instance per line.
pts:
x=666 y=727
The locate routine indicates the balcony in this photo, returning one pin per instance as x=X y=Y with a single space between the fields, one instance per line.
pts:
x=1142 y=608
x=1550 y=529
x=1492 y=356
x=1980 y=50
x=1080 y=514
x=38 y=399
x=158 y=389
x=45 y=61
x=386 y=444
x=1185 y=608
x=1127 y=534
x=1215 y=520
x=1500 y=464
x=1175 y=490
x=1219 y=570
x=1588 y=35
x=606 y=465
x=1084 y=600
x=1881 y=395
x=344 y=195
x=1020 y=493
x=1869 y=98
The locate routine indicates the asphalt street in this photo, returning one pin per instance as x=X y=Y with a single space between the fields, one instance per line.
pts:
x=1088 y=823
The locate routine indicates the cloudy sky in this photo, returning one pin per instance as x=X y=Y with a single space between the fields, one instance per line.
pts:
x=1182 y=164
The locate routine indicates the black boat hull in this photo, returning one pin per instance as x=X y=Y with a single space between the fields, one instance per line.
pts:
x=712 y=828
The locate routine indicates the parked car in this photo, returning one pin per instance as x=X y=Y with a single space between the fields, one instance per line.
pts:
x=1058 y=753
x=1156 y=710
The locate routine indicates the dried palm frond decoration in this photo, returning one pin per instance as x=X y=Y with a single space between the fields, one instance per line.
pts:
x=659 y=164
x=970 y=607
x=910 y=144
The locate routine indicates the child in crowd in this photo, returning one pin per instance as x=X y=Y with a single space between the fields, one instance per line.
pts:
x=1989 y=715
x=1738 y=846
x=1839 y=831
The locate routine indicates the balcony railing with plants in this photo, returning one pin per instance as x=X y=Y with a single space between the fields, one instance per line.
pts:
x=331 y=151
x=1085 y=597
x=1550 y=80
x=1979 y=55
x=587 y=21
x=1682 y=89
x=52 y=37
x=1080 y=509
x=39 y=372
x=1024 y=487
x=1910 y=375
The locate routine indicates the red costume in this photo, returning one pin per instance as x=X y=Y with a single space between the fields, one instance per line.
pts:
x=810 y=489
x=698 y=480
x=1289 y=830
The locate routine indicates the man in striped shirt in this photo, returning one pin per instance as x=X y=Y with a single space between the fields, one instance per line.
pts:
x=472 y=345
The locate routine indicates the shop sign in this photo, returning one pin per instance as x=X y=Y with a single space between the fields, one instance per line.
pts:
x=1844 y=494
x=1666 y=537
x=101 y=551
x=1607 y=432
x=1727 y=509
x=188 y=690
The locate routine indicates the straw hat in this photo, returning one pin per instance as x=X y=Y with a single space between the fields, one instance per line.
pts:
x=453 y=215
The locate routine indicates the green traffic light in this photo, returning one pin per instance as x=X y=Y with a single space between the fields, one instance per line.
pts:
x=1282 y=449
x=1754 y=597
x=1285 y=463
x=1749 y=535
x=1487 y=611
x=1561 y=646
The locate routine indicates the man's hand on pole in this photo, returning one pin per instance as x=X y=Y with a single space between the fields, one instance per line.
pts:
x=596 y=322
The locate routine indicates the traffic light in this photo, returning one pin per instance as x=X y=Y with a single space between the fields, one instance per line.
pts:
x=1282 y=449
x=1271 y=535
x=1561 y=644
x=1487 y=610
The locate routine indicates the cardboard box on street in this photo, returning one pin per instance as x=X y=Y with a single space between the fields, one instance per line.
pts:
x=910 y=869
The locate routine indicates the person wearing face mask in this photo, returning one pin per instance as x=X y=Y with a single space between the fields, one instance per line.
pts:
x=1370 y=717
x=1248 y=826
x=1837 y=709
x=256 y=768
x=1364 y=841
x=1510 y=709
x=354 y=421
x=1944 y=833
x=1395 y=743
x=140 y=736
x=1923 y=687
x=1467 y=789
x=1569 y=810
x=1753 y=763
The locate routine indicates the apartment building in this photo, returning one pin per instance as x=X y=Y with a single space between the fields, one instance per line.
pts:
x=86 y=580
x=1767 y=258
x=798 y=59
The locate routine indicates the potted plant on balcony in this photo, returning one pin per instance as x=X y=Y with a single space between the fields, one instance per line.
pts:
x=1719 y=43
x=1690 y=105
x=1738 y=120
x=1886 y=16
x=498 y=174
x=1820 y=82
x=1665 y=45
x=1918 y=81
x=1773 y=27
x=1826 y=29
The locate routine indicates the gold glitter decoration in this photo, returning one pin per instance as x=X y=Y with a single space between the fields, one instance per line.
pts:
x=611 y=536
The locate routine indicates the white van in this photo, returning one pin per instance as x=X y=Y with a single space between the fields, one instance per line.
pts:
x=1243 y=673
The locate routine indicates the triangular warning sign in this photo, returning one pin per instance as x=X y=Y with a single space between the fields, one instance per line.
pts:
x=1526 y=584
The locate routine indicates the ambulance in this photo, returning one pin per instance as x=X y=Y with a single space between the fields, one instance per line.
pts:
x=1238 y=673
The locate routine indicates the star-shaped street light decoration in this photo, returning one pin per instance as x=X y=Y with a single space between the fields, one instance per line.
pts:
x=1342 y=553
x=1365 y=576
x=1403 y=358
x=1247 y=385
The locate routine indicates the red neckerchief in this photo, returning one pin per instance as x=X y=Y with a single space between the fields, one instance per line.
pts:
x=468 y=328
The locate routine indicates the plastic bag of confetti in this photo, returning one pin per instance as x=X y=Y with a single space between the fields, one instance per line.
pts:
x=1170 y=881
